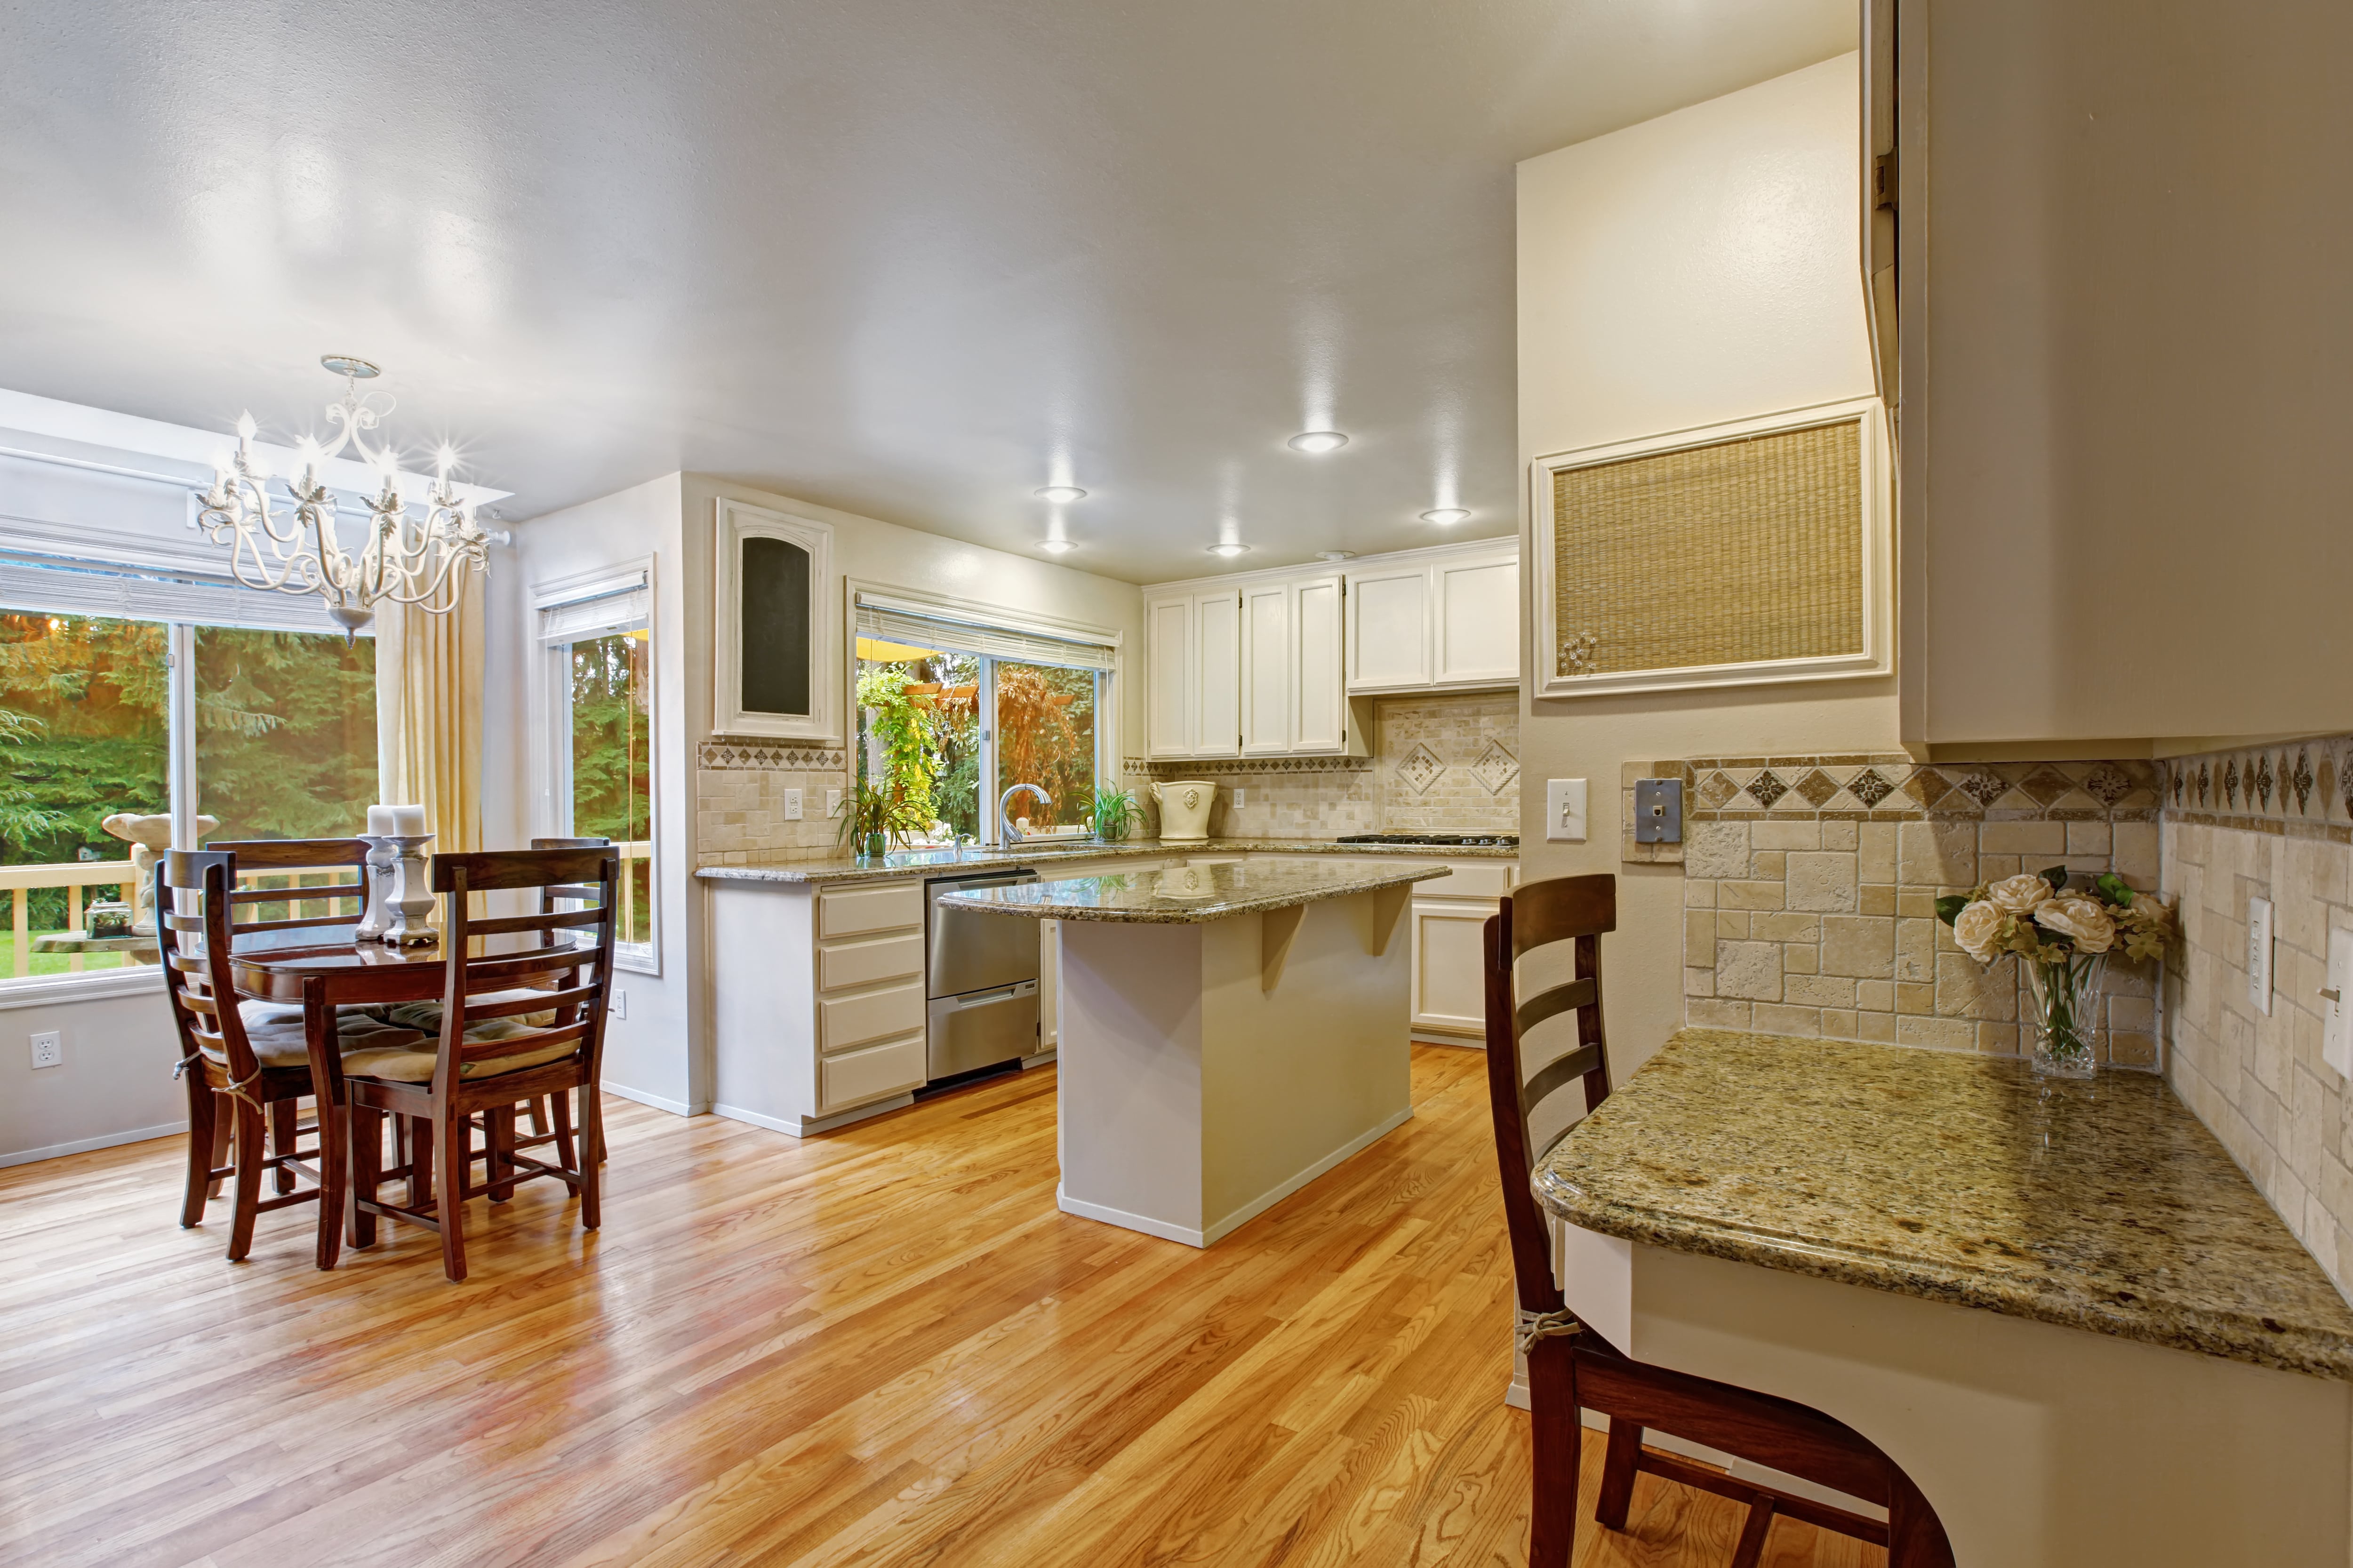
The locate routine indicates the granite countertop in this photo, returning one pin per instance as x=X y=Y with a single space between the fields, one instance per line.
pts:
x=923 y=862
x=2100 y=1205
x=1186 y=895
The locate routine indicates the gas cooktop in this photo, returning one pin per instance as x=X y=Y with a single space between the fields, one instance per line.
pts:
x=1478 y=840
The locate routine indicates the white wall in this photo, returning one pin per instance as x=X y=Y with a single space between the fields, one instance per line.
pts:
x=661 y=1053
x=1697 y=267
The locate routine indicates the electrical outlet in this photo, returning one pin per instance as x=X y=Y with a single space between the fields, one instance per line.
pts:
x=620 y=1004
x=1238 y=798
x=833 y=803
x=2259 y=955
x=49 y=1049
x=2336 y=1006
x=792 y=805
x=1565 y=810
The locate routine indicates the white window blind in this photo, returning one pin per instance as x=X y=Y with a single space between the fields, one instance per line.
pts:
x=945 y=630
x=59 y=586
x=576 y=620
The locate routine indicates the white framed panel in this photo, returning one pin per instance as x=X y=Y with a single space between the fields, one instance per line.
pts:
x=1217 y=675
x=1475 y=606
x=1266 y=670
x=1876 y=655
x=1319 y=683
x=1389 y=628
x=1169 y=675
x=741 y=527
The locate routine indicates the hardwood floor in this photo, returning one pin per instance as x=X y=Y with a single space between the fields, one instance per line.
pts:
x=881 y=1346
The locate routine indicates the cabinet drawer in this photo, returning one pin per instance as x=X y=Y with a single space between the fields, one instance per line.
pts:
x=1478 y=879
x=855 y=911
x=871 y=963
x=868 y=1074
x=846 y=1021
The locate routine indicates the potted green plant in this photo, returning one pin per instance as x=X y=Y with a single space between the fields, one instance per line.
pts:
x=1116 y=815
x=874 y=817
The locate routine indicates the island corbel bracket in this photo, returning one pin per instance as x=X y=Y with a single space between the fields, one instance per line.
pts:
x=1389 y=910
x=1277 y=929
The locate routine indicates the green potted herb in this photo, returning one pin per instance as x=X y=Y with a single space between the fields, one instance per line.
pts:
x=872 y=817
x=1116 y=815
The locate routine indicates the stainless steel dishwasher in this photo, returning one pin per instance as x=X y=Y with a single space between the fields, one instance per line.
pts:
x=981 y=979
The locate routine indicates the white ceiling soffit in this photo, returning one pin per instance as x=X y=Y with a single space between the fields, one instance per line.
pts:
x=913 y=259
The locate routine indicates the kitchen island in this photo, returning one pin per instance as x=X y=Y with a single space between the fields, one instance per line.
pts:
x=2058 y=1305
x=1229 y=1033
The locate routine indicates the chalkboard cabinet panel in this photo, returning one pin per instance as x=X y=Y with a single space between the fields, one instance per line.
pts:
x=776 y=641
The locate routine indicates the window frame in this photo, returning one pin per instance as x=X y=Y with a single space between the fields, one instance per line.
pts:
x=552 y=731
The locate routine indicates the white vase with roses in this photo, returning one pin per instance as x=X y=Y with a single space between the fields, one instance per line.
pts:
x=2064 y=935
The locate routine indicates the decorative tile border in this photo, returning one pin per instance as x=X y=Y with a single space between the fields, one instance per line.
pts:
x=1889 y=786
x=772 y=755
x=2301 y=789
x=1147 y=767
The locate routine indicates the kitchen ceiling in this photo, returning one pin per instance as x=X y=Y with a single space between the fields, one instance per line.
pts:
x=913 y=258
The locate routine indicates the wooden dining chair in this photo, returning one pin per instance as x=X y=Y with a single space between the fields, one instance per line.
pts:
x=1570 y=1367
x=488 y=1060
x=241 y=1075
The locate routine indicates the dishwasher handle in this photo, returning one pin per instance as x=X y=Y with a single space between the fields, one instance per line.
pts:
x=989 y=998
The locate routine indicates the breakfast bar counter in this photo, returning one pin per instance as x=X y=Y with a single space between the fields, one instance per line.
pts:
x=2058 y=1304
x=1229 y=1032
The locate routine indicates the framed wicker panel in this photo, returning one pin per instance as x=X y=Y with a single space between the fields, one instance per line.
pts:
x=1735 y=555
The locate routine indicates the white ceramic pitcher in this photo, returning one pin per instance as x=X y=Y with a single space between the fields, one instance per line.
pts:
x=1185 y=809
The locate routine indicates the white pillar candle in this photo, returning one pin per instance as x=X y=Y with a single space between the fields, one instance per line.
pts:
x=409 y=820
x=380 y=821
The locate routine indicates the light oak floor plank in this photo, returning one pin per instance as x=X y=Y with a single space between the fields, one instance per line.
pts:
x=880 y=1348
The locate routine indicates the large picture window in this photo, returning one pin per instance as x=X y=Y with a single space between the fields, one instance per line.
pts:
x=599 y=682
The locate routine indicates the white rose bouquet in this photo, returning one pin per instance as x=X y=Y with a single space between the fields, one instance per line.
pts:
x=2063 y=934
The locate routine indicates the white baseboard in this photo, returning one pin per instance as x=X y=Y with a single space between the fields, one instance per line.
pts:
x=84 y=1145
x=1433 y=1038
x=1221 y=1229
x=804 y=1127
x=639 y=1097
x=1042 y=1058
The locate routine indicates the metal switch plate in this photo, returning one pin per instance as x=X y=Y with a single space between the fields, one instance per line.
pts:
x=1657 y=811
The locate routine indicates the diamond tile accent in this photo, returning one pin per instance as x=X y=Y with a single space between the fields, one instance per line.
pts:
x=1869 y=787
x=1985 y=788
x=2107 y=785
x=1815 y=788
x=1767 y=787
x=2043 y=785
x=2263 y=781
x=1495 y=768
x=2302 y=781
x=2230 y=784
x=1716 y=789
x=1927 y=786
x=1419 y=770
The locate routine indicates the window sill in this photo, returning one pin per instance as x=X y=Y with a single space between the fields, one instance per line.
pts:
x=52 y=990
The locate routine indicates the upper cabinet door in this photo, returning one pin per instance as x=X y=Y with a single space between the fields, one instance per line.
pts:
x=1477 y=602
x=777 y=639
x=1168 y=662
x=1266 y=670
x=1319 y=699
x=1389 y=628
x=1218 y=674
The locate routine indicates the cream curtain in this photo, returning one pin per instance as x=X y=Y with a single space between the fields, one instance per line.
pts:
x=428 y=715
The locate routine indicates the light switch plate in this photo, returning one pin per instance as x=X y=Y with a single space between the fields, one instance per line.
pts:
x=792 y=805
x=2259 y=955
x=1565 y=810
x=1238 y=798
x=2336 y=1006
x=833 y=803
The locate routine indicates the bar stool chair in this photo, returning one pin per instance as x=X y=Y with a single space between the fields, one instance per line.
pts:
x=1570 y=1367
x=488 y=1058
x=259 y=1069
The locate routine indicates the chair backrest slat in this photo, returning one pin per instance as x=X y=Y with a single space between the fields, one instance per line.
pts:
x=1576 y=910
x=291 y=857
x=197 y=980
x=575 y=946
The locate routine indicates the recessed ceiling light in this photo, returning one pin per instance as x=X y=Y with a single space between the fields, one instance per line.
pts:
x=1057 y=546
x=1318 y=441
x=1228 y=548
x=1062 y=495
x=1445 y=514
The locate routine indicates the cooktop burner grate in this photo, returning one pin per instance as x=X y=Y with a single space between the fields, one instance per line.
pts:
x=1467 y=840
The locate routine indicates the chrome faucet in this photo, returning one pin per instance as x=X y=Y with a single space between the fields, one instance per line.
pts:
x=1007 y=832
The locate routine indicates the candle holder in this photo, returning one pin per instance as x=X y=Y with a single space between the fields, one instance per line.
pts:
x=377 y=873
x=411 y=900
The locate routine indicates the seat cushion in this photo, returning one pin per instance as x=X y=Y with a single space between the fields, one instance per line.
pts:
x=415 y=1064
x=426 y=1016
x=281 y=1045
x=257 y=1013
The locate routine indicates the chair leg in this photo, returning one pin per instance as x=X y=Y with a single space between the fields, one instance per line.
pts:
x=592 y=1156
x=367 y=1174
x=452 y=1142
x=1616 y=1493
x=201 y=1157
x=539 y=1115
x=499 y=1152
x=566 y=1151
x=251 y=1157
x=1752 y=1534
x=281 y=1139
x=420 y=1160
x=1556 y=1431
x=334 y=1177
x=224 y=1140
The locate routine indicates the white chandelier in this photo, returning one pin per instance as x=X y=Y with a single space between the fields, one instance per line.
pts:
x=407 y=559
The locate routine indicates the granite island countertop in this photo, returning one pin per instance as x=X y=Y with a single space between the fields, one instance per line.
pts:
x=841 y=870
x=1189 y=894
x=2101 y=1204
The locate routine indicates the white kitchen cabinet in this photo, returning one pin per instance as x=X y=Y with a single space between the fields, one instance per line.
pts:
x=1475 y=626
x=1435 y=621
x=1448 y=988
x=1169 y=675
x=1269 y=682
x=1321 y=722
x=1218 y=675
x=1389 y=627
